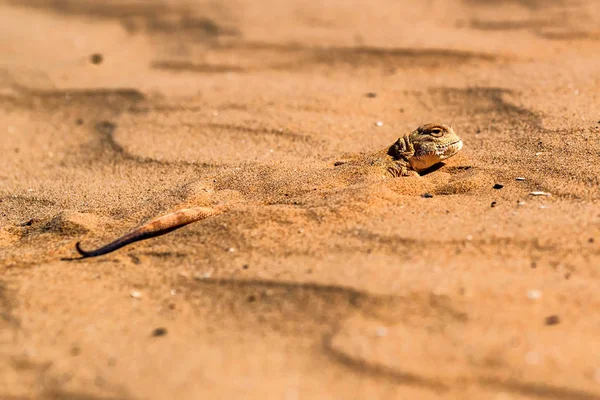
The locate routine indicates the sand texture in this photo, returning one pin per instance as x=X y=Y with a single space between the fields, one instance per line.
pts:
x=319 y=281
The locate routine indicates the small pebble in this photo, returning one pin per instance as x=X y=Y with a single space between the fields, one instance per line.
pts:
x=532 y=358
x=552 y=320
x=498 y=186
x=159 y=332
x=231 y=250
x=371 y=95
x=539 y=153
x=381 y=331
x=378 y=123
x=75 y=351
x=591 y=240
x=173 y=292
x=520 y=203
x=534 y=294
x=427 y=195
x=136 y=295
x=96 y=58
x=204 y=275
x=245 y=266
x=520 y=178
x=539 y=194
x=469 y=237
x=493 y=204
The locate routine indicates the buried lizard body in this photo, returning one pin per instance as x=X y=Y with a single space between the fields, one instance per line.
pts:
x=411 y=154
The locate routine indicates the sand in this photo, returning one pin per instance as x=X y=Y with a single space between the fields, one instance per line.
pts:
x=314 y=286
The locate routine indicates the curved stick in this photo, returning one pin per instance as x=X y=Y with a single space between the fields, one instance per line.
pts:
x=156 y=227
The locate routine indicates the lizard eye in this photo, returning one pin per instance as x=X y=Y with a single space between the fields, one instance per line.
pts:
x=437 y=132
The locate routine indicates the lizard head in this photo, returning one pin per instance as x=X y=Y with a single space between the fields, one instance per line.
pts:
x=432 y=143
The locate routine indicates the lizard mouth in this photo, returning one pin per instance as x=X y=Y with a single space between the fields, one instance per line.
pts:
x=425 y=158
x=449 y=149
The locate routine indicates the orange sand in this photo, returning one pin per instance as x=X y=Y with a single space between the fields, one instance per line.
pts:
x=312 y=288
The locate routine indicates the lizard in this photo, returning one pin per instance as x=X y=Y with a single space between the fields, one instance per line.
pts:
x=411 y=155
